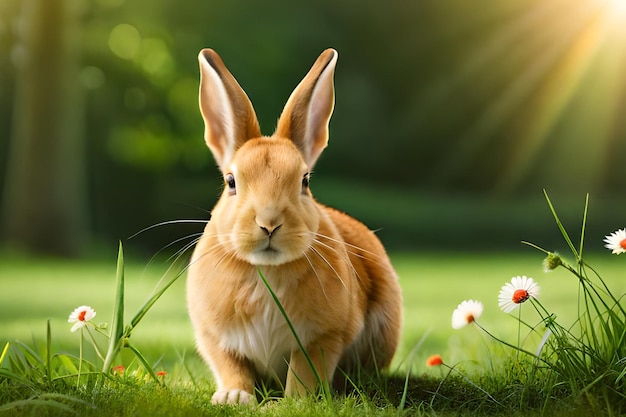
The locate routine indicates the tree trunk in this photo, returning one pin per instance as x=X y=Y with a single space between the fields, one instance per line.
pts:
x=44 y=202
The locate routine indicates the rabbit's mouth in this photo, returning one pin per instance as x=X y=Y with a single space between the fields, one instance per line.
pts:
x=275 y=250
x=269 y=250
x=267 y=253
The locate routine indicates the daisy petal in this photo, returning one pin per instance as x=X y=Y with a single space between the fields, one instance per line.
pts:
x=513 y=293
x=465 y=313
x=77 y=326
x=616 y=242
x=81 y=316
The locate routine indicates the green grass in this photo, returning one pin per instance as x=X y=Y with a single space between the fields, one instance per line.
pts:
x=433 y=284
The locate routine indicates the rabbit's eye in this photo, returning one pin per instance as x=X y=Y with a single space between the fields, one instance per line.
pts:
x=305 y=181
x=230 y=181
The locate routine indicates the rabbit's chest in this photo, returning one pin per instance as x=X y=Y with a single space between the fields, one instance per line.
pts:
x=262 y=334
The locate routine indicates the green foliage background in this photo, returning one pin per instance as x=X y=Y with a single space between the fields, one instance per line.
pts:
x=453 y=114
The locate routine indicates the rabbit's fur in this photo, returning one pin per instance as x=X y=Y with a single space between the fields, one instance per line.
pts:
x=330 y=272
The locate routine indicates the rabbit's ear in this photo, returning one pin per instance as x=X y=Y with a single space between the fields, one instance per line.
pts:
x=307 y=112
x=229 y=117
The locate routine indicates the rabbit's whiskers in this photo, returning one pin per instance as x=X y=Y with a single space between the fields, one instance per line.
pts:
x=195 y=237
x=318 y=253
x=316 y=275
x=343 y=256
x=165 y=223
x=178 y=254
x=358 y=251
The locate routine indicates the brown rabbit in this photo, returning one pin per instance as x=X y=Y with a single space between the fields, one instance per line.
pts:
x=330 y=272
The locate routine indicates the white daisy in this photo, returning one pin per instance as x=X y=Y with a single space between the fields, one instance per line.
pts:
x=81 y=316
x=466 y=312
x=616 y=241
x=516 y=292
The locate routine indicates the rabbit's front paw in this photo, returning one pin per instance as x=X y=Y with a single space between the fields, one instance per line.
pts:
x=232 y=396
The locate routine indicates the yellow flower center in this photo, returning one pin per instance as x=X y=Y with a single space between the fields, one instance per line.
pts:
x=623 y=244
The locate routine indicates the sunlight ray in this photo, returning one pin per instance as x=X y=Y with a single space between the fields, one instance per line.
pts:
x=585 y=142
x=549 y=102
x=473 y=68
x=534 y=58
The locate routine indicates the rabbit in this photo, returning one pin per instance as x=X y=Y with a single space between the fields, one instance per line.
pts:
x=329 y=271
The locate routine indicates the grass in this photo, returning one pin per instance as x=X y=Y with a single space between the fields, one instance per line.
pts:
x=433 y=284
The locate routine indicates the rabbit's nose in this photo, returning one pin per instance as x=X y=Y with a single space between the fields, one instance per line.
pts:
x=271 y=230
x=270 y=225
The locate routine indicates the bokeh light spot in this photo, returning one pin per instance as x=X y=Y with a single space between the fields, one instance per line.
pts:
x=92 y=77
x=125 y=41
x=155 y=58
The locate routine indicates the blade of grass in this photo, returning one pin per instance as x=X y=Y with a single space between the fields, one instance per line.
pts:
x=582 y=232
x=411 y=358
x=293 y=330
x=48 y=401
x=28 y=353
x=560 y=225
x=606 y=289
x=34 y=402
x=67 y=363
x=4 y=353
x=117 y=329
x=48 y=352
x=148 y=305
x=144 y=362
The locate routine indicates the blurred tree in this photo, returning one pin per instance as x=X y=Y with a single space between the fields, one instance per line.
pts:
x=486 y=98
x=44 y=204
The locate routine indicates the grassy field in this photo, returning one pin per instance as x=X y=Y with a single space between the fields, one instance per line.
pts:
x=433 y=284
